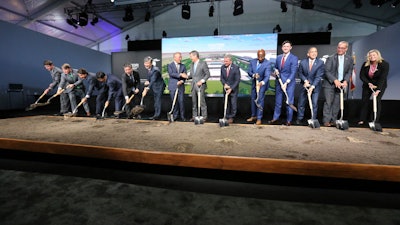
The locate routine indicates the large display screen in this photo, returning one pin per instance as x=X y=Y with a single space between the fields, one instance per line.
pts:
x=212 y=49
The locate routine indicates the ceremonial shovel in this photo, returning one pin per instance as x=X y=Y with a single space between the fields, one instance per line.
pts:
x=374 y=125
x=342 y=124
x=313 y=123
x=170 y=114
x=224 y=122
x=36 y=104
x=198 y=119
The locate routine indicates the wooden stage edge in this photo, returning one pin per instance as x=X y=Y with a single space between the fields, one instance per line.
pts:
x=248 y=164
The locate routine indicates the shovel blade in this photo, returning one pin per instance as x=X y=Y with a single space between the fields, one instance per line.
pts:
x=198 y=120
x=342 y=124
x=223 y=122
x=170 y=117
x=375 y=126
x=313 y=123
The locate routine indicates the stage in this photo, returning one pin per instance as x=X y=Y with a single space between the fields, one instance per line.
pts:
x=357 y=153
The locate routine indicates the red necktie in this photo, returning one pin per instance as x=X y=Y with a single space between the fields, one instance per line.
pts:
x=283 y=61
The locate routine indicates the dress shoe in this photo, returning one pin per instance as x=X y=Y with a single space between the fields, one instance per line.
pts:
x=288 y=123
x=327 y=124
x=360 y=123
x=273 y=122
x=58 y=114
x=88 y=114
x=230 y=120
x=183 y=120
x=299 y=122
x=258 y=122
x=251 y=119
x=191 y=119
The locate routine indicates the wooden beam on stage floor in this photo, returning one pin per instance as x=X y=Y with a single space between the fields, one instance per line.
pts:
x=248 y=164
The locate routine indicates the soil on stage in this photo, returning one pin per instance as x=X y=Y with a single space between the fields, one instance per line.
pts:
x=355 y=145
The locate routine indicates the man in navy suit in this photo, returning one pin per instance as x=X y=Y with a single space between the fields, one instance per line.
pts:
x=177 y=78
x=338 y=69
x=155 y=83
x=259 y=71
x=199 y=73
x=286 y=67
x=130 y=85
x=311 y=71
x=113 y=87
x=230 y=78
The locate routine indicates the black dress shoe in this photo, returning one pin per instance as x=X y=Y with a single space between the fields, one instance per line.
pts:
x=288 y=123
x=273 y=122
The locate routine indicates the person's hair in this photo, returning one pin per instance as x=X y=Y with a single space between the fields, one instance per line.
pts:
x=176 y=53
x=286 y=41
x=379 y=60
x=100 y=74
x=128 y=65
x=195 y=53
x=47 y=62
x=309 y=49
x=344 y=42
x=82 y=71
x=66 y=66
x=229 y=56
x=148 y=59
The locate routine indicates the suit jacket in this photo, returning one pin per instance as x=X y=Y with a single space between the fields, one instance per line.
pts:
x=379 y=78
x=233 y=79
x=156 y=81
x=289 y=69
x=202 y=72
x=71 y=78
x=114 y=86
x=90 y=83
x=315 y=75
x=130 y=83
x=55 y=74
x=264 y=71
x=174 y=75
x=331 y=70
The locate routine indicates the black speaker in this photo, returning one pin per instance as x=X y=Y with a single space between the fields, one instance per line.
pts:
x=238 y=7
x=186 y=12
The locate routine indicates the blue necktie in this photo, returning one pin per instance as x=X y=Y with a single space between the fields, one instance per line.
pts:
x=340 y=68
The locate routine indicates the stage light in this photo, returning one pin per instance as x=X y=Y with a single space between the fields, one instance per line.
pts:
x=72 y=22
x=127 y=38
x=283 y=6
x=307 y=4
x=211 y=11
x=83 y=19
x=395 y=3
x=357 y=4
x=186 y=11
x=94 y=20
x=128 y=14
x=164 y=34
x=147 y=16
x=238 y=7
x=277 y=29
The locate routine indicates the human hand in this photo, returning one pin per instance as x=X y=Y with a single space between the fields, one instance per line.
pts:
x=136 y=91
x=46 y=91
x=106 y=104
x=146 y=83
x=199 y=83
x=184 y=75
x=70 y=86
x=84 y=99
x=256 y=76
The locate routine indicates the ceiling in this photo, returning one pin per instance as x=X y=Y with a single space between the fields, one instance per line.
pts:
x=49 y=17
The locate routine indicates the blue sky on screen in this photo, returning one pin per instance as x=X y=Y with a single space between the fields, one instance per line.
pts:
x=223 y=43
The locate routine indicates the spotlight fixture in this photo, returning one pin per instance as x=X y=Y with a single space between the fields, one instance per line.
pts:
x=283 y=6
x=238 y=7
x=147 y=16
x=186 y=11
x=128 y=14
x=71 y=21
x=127 y=37
x=395 y=3
x=94 y=20
x=357 y=4
x=216 y=32
x=164 y=34
x=211 y=10
x=329 y=27
x=83 y=19
x=277 y=29
x=307 y=4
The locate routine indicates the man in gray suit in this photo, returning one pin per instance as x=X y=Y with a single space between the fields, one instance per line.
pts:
x=199 y=73
x=338 y=69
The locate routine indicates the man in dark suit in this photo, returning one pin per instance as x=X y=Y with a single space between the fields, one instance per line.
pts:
x=286 y=67
x=55 y=74
x=155 y=83
x=113 y=88
x=311 y=71
x=338 y=69
x=91 y=83
x=199 y=73
x=130 y=85
x=177 y=78
x=259 y=71
x=230 y=78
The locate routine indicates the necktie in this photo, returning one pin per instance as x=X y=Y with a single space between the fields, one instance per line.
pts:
x=177 y=67
x=227 y=71
x=195 y=67
x=340 y=68
x=311 y=64
x=283 y=61
x=258 y=65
